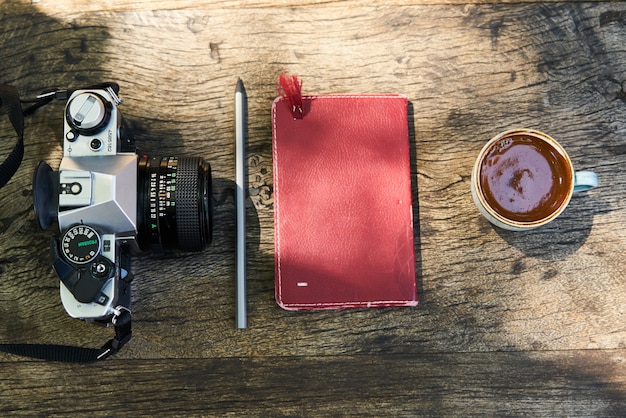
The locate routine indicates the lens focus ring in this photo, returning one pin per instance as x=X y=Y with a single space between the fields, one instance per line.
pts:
x=189 y=219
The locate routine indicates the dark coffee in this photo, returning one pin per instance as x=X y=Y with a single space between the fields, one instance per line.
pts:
x=524 y=178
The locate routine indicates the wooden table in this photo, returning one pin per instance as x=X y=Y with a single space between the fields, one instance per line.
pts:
x=508 y=323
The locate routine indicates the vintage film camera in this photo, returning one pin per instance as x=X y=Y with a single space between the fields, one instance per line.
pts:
x=110 y=202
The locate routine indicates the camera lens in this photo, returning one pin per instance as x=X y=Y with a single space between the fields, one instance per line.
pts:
x=174 y=203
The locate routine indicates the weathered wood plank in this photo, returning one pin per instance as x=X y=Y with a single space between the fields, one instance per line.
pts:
x=582 y=383
x=60 y=8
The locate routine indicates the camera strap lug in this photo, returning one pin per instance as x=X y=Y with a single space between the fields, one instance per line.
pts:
x=121 y=315
x=116 y=99
x=123 y=332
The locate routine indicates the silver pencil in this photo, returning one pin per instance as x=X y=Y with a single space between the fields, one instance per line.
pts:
x=240 y=201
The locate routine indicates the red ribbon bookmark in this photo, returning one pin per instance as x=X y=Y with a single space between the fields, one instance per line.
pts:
x=290 y=88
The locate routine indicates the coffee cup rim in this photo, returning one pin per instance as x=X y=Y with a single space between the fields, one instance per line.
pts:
x=479 y=191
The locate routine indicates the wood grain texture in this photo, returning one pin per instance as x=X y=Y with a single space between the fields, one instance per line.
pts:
x=533 y=319
x=60 y=8
x=467 y=384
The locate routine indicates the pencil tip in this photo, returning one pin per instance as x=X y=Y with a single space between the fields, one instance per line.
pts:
x=240 y=87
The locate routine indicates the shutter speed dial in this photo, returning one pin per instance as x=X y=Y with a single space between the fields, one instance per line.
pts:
x=80 y=244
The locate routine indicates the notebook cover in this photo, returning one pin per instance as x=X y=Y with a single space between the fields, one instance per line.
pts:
x=342 y=203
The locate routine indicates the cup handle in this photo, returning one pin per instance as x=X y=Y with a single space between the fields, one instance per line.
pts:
x=585 y=180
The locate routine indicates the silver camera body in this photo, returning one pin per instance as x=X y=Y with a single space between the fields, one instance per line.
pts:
x=97 y=205
x=111 y=202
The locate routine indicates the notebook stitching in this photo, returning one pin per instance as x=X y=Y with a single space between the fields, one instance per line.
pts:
x=276 y=198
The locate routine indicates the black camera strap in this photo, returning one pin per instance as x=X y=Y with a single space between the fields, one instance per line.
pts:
x=70 y=354
x=10 y=102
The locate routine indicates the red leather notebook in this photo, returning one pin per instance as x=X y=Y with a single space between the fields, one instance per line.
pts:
x=342 y=203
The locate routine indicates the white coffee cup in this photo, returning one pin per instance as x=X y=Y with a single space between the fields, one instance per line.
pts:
x=523 y=179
